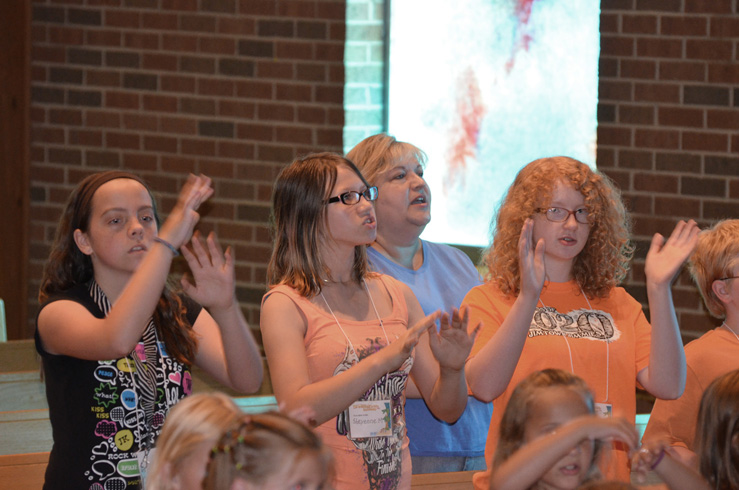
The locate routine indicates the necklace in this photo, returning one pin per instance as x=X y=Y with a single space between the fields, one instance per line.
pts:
x=730 y=330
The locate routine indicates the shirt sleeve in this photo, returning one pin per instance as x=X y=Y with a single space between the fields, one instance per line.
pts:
x=485 y=308
x=674 y=421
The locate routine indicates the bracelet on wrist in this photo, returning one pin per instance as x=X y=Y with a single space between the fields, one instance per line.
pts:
x=164 y=242
x=658 y=460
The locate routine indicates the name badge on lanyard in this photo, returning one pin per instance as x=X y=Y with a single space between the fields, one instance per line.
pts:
x=144 y=458
x=604 y=410
x=370 y=419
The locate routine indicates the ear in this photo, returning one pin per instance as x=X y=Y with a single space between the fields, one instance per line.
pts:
x=82 y=241
x=721 y=290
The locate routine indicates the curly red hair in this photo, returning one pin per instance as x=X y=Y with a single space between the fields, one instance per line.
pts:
x=604 y=260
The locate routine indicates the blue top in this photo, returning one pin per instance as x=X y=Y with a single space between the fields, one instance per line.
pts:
x=442 y=282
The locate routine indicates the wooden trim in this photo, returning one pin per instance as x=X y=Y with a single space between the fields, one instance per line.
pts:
x=456 y=480
x=15 y=63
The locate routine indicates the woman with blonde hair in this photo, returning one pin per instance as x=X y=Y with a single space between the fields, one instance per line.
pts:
x=552 y=300
x=438 y=274
x=191 y=430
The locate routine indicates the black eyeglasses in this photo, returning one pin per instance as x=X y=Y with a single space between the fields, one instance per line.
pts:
x=727 y=278
x=558 y=215
x=353 y=197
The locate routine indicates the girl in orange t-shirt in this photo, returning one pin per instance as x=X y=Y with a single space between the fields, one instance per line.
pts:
x=560 y=249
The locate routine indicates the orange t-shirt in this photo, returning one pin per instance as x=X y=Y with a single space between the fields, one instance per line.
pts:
x=369 y=463
x=674 y=421
x=608 y=345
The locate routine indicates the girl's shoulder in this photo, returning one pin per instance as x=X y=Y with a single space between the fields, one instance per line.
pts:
x=488 y=292
x=79 y=294
x=283 y=297
x=281 y=289
x=393 y=286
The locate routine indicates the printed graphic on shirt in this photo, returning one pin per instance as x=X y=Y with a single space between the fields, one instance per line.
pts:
x=121 y=419
x=382 y=455
x=577 y=324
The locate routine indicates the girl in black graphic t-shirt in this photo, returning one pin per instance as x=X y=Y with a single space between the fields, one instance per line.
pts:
x=116 y=342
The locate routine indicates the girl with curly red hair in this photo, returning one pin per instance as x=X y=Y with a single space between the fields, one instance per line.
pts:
x=552 y=300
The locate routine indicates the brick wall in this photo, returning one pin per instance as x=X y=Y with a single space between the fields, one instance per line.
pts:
x=237 y=88
x=234 y=89
x=669 y=122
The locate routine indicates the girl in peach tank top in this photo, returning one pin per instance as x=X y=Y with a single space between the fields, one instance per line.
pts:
x=343 y=341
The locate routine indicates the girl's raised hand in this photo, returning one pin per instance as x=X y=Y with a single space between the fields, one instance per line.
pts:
x=178 y=226
x=608 y=428
x=451 y=345
x=212 y=270
x=531 y=260
x=401 y=348
x=645 y=457
x=665 y=258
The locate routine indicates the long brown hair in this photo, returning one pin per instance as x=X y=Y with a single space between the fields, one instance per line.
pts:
x=67 y=266
x=299 y=223
x=604 y=260
x=717 y=432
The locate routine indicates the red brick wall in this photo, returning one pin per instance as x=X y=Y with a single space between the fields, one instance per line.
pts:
x=234 y=89
x=237 y=88
x=669 y=122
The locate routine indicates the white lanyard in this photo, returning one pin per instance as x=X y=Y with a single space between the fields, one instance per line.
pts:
x=372 y=301
x=730 y=330
x=608 y=343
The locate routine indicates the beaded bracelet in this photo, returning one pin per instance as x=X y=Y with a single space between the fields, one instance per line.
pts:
x=164 y=242
x=659 y=459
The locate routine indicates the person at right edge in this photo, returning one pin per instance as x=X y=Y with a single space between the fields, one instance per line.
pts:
x=715 y=269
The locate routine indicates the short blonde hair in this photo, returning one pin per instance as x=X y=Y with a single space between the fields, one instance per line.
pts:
x=376 y=154
x=715 y=257
x=195 y=420
x=261 y=445
x=604 y=261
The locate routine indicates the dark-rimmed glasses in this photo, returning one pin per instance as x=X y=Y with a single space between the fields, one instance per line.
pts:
x=727 y=278
x=353 y=197
x=558 y=215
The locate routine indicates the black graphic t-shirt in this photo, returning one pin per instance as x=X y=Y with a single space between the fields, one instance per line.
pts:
x=95 y=408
